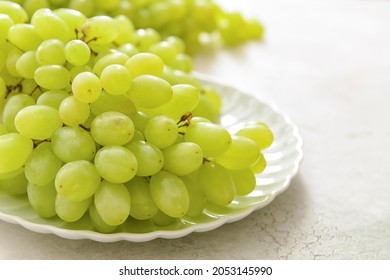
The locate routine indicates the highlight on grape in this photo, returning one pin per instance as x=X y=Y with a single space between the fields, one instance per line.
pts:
x=101 y=116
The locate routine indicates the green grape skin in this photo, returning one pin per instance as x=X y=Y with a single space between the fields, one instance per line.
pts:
x=169 y=193
x=162 y=219
x=31 y=6
x=52 y=98
x=112 y=128
x=71 y=143
x=196 y=196
x=52 y=77
x=73 y=112
x=113 y=203
x=205 y=109
x=243 y=153
x=129 y=50
x=161 y=131
x=14 y=150
x=109 y=59
x=99 y=30
x=42 y=165
x=77 y=180
x=213 y=98
x=26 y=65
x=12 y=58
x=37 y=122
x=116 y=79
x=142 y=204
x=50 y=51
x=116 y=164
x=108 y=102
x=42 y=199
x=217 y=184
x=183 y=158
x=98 y=222
x=149 y=91
x=145 y=37
x=244 y=180
x=23 y=36
x=87 y=7
x=14 y=11
x=140 y=119
x=183 y=62
x=12 y=106
x=3 y=130
x=5 y=23
x=145 y=63
x=15 y=185
x=86 y=87
x=77 y=52
x=259 y=132
x=125 y=29
x=150 y=158
x=175 y=76
x=166 y=51
x=213 y=139
x=259 y=166
x=70 y=210
x=73 y=19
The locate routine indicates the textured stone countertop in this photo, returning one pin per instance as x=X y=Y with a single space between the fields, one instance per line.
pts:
x=326 y=64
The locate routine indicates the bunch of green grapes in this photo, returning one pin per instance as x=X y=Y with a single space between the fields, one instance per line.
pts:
x=100 y=118
x=196 y=22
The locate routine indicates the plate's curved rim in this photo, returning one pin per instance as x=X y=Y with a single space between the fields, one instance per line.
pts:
x=172 y=234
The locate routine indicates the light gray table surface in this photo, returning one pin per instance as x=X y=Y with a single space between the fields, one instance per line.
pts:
x=326 y=64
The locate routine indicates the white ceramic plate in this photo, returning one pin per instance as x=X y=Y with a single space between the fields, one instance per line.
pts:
x=283 y=159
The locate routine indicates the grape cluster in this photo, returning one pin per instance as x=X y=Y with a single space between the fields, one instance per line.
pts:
x=103 y=119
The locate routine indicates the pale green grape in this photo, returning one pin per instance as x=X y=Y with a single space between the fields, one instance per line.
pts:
x=77 y=180
x=113 y=203
x=205 y=109
x=70 y=210
x=99 y=30
x=196 y=196
x=217 y=184
x=183 y=158
x=259 y=132
x=26 y=65
x=182 y=62
x=213 y=139
x=145 y=63
x=244 y=180
x=77 y=52
x=3 y=130
x=13 y=105
x=162 y=219
x=142 y=204
x=169 y=193
x=98 y=222
x=112 y=128
x=140 y=119
x=87 y=7
x=52 y=76
x=259 y=165
x=12 y=58
x=176 y=41
x=160 y=13
x=108 y=102
x=243 y=153
x=116 y=79
x=13 y=10
x=50 y=51
x=75 y=70
x=166 y=51
x=37 y=121
x=86 y=87
x=150 y=158
x=116 y=164
x=161 y=131
x=70 y=143
x=138 y=136
x=24 y=36
x=175 y=76
x=128 y=49
x=16 y=185
x=42 y=165
x=5 y=23
x=145 y=37
x=72 y=18
x=42 y=199
x=125 y=29
x=31 y=6
x=149 y=91
x=73 y=112
x=14 y=151
x=213 y=98
x=109 y=59
x=52 y=98
x=50 y=26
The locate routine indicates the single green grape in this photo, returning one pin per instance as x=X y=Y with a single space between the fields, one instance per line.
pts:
x=26 y=65
x=14 y=11
x=77 y=52
x=15 y=185
x=73 y=112
x=42 y=199
x=24 y=36
x=98 y=222
x=125 y=29
x=161 y=131
x=183 y=158
x=31 y=6
x=14 y=150
x=73 y=19
x=50 y=51
x=70 y=210
x=244 y=180
x=259 y=166
x=12 y=106
x=52 y=98
x=86 y=87
x=52 y=76
x=99 y=30
x=196 y=196
x=116 y=79
x=108 y=102
x=145 y=63
x=259 y=132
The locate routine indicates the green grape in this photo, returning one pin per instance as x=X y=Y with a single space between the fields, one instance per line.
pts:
x=77 y=180
x=217 y=183
x=52 y=76
x=12 y=59
x=16 y=185
x=162 y=219
x=169 y=193
x=128 y=49
x=183 y=158
x=145 y=63
x=109 y=59
x=196 y=196
x=113 y=203
x=213 y=98
x=142 y=204
x=112 y=128
x=213 y=139
x=31 y=6
x=125 y=30
x=177 y=41
x=52 y=98
x=5 y=23
x=116 y=164
x=138 y=136
x=108 y=102
x=243 y=153
x=70 y=210
x=73 y=112
x=24 y=36
x=42 y=199
x=13 y=105
x=150 y=158
x=244 y=180
x=75 y=70
x=50 y=26
x=99 y=30
x=14 y=151
x=205 y=109
x=77 y=52
x=14 y=11
x=72 y=18
x=183 y=62
x=166 y=51
x=106 y=6
x=145 y=37
x=174 y=77
x=98 y=222
x=87 y=7
x=86 y=87
x=259 y=166
x=37 y=121
x=116 y=79
x=161 y=131
x=26 y=65
x=259 y=132
x=70 y=143
x=140 y=119
x=50 y=51
x=3 y=130
x=149 y=91
x=160 y=13
x=42 y=165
